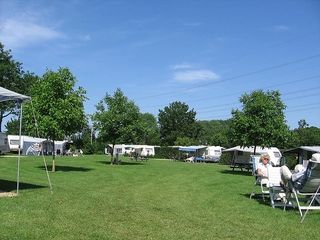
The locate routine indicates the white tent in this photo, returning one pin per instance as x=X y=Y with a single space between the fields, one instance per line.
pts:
x=303 y=152
x=7 y=95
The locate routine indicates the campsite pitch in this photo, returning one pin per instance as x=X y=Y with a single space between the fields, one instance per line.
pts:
x=140 y=200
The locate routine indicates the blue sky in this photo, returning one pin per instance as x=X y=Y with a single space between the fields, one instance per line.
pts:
x=205 y=53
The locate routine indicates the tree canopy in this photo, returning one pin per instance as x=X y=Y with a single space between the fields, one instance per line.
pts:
x=150 y=133
x=57 y=106
x=261 y=122
x=12 y=77
x=306 y=135
x=215 y=133
x=177 y=120
x=117 y=119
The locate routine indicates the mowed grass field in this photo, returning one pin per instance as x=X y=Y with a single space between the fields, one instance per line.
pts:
x=158 y=199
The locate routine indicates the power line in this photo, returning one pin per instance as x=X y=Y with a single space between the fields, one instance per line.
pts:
x=239 y=76
x=289 y=93
x=286 y=111
x=241 y=92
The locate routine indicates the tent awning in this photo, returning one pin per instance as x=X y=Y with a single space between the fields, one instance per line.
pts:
x=191 y=148
x=306 y=148
x=7 y=95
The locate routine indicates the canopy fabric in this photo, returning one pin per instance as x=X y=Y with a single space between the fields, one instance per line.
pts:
x=306 y=148
x=245 y=149
x=7 y=95
x=191 y=148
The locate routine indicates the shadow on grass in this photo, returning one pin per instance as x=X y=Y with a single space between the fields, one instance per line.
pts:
x=8 y=186
x=258 y=198
x=236 y=172
x=122 y=163
x=67 y=168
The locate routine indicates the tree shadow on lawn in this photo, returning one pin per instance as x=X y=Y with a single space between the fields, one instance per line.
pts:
x=122 y=163
x=236 y=172
x=66 y=168
x=8 y=186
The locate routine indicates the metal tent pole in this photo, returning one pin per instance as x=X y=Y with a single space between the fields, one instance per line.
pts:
x=19 y=150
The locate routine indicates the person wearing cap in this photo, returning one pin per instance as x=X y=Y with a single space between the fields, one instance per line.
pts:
x=301 y=173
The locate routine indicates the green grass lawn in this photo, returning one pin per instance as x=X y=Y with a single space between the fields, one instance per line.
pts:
x=158 y=199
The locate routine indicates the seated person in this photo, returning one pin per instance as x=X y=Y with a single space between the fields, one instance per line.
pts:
x=262 y=168
x=300 y=174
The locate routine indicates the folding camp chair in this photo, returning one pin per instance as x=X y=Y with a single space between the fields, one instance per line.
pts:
x=276 y=192
x=308 y=197
x=259 y=182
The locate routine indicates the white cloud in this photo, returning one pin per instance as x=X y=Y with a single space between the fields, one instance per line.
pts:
x=193 y=76
x=181 y=66
x=281 y=28
x=19 y=33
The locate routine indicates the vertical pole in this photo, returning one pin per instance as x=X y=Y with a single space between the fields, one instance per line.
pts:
x=91 y=134
x=19 y=150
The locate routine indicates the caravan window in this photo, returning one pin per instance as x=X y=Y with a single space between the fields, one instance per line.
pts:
x=14 y=142
x=119 y=150
x=276 y=154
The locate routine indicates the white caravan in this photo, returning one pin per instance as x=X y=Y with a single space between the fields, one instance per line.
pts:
x=123 y=149
x=241 y=155
x=33 y=146
x=26 y=141
x=213 y=153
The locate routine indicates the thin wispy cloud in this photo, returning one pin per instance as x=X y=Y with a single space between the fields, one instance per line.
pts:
x=16 y=33
x=194 y=76
x=181 y=66
x=281 y=28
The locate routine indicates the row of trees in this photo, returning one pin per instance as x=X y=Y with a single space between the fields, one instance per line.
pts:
x=58 y=107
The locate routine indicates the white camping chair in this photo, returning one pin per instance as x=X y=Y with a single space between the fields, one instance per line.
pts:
x=262 y=183
x=308 y=197
x=276 y=192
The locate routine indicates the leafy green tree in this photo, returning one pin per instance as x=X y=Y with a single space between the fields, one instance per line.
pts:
x=13 y=127
x=12 y=77
x=150 y=132
x=84 y=140
x=118 y=120
x=302 y=124
x=184 y=141
x=261 y=122
x=176 y=120
x=57 y=106
x=307 y=136
x=215 y=133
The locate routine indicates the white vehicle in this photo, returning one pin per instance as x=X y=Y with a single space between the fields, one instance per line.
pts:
x=141 y=150
x=241 y=155
x=34 y=146
x=26 y=142
x=213 y=153
x=4 y=146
